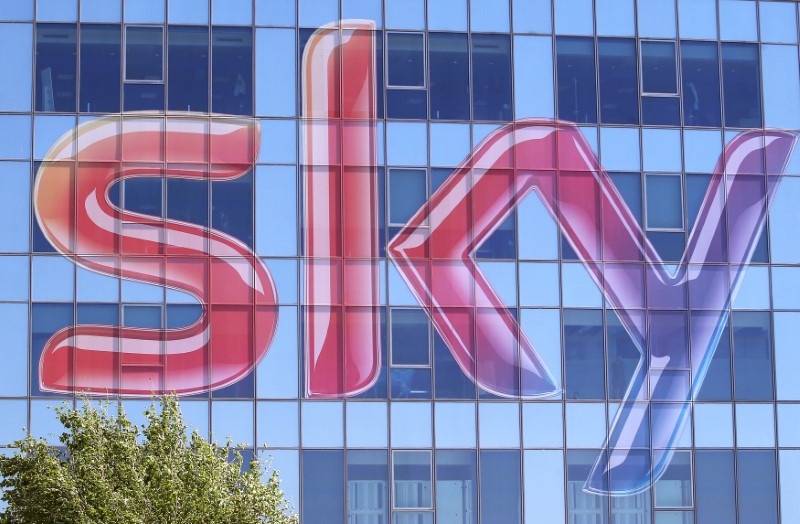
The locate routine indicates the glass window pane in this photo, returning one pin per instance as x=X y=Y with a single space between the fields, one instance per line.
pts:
x=145 y=12
x=367 y=486
x=575 y=72
x=367 y=425
x=574 y=17
x=489 y=15
x=46 y=320
x=448 y=59
x=662 y=150
x=405 y=14
x=778 y=22
x=411 y=479
x=752 y=346
x=232 y=12
x=277 y=373
x=659 y=68
x=406 y=59
x=790 y=482
x=532 y=98
x=700 y=73
x=664 y=201
x=315 y=13
x=656 y=18
x=144 y=97
x=500 y=486
x=755 y=425
x=661 y=111
x=455 y=425
x=269 y=12
x=583 y=354
x=714 y=482
x=410 y=337
x=144 y=53
x=407 y=193
x=623 y=357
x=586 y=424
x=713 y=426
x=100 y=64
x=276 y=210
x=232 y=70
x=544 y=486
x=757 y=488
x=56 y=52
x=615 y=17
x=188 y=11
x=456 y=487
x=22 y=10
x=14 y=340
x=737 y=20
x=787 y=358
x=407 y=144
x=618 y=81
x=698 y=19
x=323 y=487
x=781 y=86
x=323 y=424
x=15 y=203
x=188 y=68
x=101 y=10
x=742 y=93
x=275 y=73
x=57 y=10
x=498 y=424
x=411 y=424
x=717 y=382
x=447 y=15
x=531 y=16
x=674 y=488
x=16 y=62
x=232 y=420
x=582 y=505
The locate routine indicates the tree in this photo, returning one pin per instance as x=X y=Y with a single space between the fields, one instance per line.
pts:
x=109 y=471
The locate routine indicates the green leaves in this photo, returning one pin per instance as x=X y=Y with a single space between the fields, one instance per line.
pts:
x=109 y=471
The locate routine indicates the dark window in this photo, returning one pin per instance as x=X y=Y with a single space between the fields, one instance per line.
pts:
x=100 y=68
x=714 y=484
x=717 y=382
x=491 y=77
x=670 y=245
x=741 y=76
x=583 y=354
x=757 y=487
x=407 y=193
x=629 y=186
x=448 y=56
x=623 y=357
x=575 y=75
x=659 y=68
x=56 y=50
x=700 y=74
x=103 y=314
x=411 y=383
x=696 y=189
x=661 y=110
x=144 y=53
x=187 y=200
x=232 y=70
x=144 y=97
x=456 y=487
x=409 y=104
x=181 y=315
x=188 y=68
x=142 y=316
x=502 y=242
x=143 y=195
x=752 y=355
x=619 y=87
x=451 y=382
x=500 y=486
x=664 y=202
x=232 y=207
x=406 y=59
x=410 y=339
x=323 y=487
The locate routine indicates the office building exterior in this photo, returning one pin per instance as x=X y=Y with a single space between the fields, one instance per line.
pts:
x=446 y=261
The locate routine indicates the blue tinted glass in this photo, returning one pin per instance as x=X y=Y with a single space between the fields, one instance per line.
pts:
x=232 y=70
x=583 y=354
x=456 y=487
x=449 y=144
x=575 y=75
x=664 y=202
x=700 y=73
x=277 y=372
x=501 y=244
x=448 y=59
x=586 y=424
x=15 y=415
x=188 y=68
x=144 y=53
x=410 y=339
x=406 y=60
x=701 y=149
x=52 y=278
x=669 y=245
x=618 y=81
x=781 y=86
x=532 y=16
x=737 y=20
x=409 y=104
x=142 y=316
x=187 y=200
x=100 y=68
x=271 y=434
x=447 y=15
x=269 y=12
x=275 y=72
x=698 y=18
x=411 y=383
x=619 y=148
x=491 y=77
x=757 y=488
x=323 y=487
x=451 y=382
x=14 y=374
x=367 y=485
x=367 y=424
x=674 y=488
x=659 y=69
x=656 y=18
x=15 y=205
x=752 y=346
x=574 y=17
x=405 y=14
x=145 y=11
x=661 y=111
x=46 y=320
x=363 y=10
x=15 y=136
x=662 y=150
x=232 y=12
x=407 y=143
x=314 y=13
x=276 y=209
x=489 y=15
x=14 y=278
x=22 y=10
x=542 y=425
x=188 y=11
x=717 y=382
x=101 y=10
x=790 y=481
x=629 y=186
x=615 y=17
x=532 y=54
x=623 y=357
x=56 y=51
x=778 y=22
x=322 y=424
x=57 y=10
x=498 y=424
x=714 y=483
x=144 y=97
x=740 y=75
x=755 y=425
x=455 y=425
x=579 y=503
x=544 y=481
x=16 y=61
x=539 y=284
x=411 y=424
x=180 y=315
x=787 y=329
x=500 y=486
x=713 y=425
x=232 y=207
x=411 y=480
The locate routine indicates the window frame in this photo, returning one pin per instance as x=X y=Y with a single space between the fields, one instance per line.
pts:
x=431 y=469
x=125 y=79
x=676 y=48
x=645 y=210
x=387 y=63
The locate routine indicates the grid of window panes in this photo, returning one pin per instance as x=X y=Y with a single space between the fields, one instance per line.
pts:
x=658 y=87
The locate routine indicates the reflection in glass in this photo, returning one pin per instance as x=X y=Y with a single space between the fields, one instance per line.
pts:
x=674 y=488
x=188 y=68
x=491 y=77
x=714 y=483
x=56 y=57
x=448 y=58
x=700 y=75
x=323 y=487
x=405 y=55
x=456 y=487
x=583 y=354
x=618 y=81
x=500 y=486
x=232 y=70
x=575 y=75
x=659 y=68
x=741 y=78
x=100 y=68
x=752 y=350
x=411 y=480
x=367 y=487
x=757 y=488
x=144 y=53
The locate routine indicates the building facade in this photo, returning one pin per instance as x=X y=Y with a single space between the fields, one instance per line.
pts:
x=445 y=261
